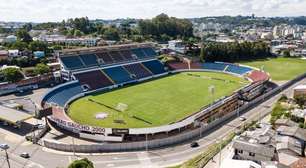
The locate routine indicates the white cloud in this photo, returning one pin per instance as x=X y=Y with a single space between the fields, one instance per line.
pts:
x=56 y=10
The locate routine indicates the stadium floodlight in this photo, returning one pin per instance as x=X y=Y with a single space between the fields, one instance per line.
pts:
x=211 y=90
x=5 y=147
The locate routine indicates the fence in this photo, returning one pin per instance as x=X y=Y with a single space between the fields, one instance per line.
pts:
x=158 y=143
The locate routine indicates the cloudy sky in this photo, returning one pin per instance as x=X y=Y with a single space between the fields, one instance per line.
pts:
x=57 y=10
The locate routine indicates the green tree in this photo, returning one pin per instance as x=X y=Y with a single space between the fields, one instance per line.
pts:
x=41 y=69
x=202 y=54
x=111 y=33
x=286 y=53
x=300 y=100
x=19 y=45
x=83 y=163
x=12 y=74
x=23 y=36
x=38 y=46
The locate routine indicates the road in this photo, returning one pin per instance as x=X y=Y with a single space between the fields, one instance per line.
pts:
x=41 y=157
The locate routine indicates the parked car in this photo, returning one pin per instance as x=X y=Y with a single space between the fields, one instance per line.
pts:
x=242 y=118
x=25 y=155
x=194 y=144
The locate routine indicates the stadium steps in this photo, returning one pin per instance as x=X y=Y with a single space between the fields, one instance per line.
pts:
x=224 y=70
x=110 y=79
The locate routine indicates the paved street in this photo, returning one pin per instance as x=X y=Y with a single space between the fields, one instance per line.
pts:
x=41 y=157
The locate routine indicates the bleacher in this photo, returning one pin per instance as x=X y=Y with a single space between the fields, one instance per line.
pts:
x=139 y=53
x=94 y=79
x=72 y=62
x=127 y=54
x=237 y=69
x=149 y=52
x=118 y=74
x=89 y=60
x=214 y=66
x=155 y=66
x=105 y=57
x=138 y=70
x=117 y=57
x=62 y=94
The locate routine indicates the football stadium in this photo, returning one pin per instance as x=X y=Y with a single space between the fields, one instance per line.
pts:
x=125 y=93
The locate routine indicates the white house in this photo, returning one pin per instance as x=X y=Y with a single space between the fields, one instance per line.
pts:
x=13 y=53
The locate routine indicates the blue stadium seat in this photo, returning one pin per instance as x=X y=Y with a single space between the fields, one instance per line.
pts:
x=155 y=66
x=150 y=52
x=139 y=53
x=62 y=94
x=118 y=74
x=237 y=69
x=214 y=66
x=89 y=60
x=138 y=70
x=72 y=62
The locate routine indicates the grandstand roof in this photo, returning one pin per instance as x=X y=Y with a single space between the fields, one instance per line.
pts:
x=12 y=115
x=102 y=48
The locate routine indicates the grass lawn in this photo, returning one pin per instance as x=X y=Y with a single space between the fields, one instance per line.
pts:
x=281 y=69
x=154 y=103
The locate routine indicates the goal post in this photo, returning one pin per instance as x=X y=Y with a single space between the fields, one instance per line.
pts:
x=122 y=107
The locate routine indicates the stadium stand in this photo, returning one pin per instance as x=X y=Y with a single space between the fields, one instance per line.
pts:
x=117 y=57
x=139 y=53
x=138 y=70
x=72 y=62
x=155 y=66
x=149 y=52
x=118 y=74
x=94 y=79
x=62 y=94
x=89 y=60
x=237 y=69
x=257 y=76
x=214 y=66
x=127 y=54
x=105 y=57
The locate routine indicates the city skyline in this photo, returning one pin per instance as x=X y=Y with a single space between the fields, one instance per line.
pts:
x=56 y=10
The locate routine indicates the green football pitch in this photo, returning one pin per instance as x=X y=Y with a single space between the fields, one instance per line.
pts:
x=154 y=103
x=280 y=69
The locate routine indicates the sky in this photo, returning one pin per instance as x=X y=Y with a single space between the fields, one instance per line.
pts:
x=57 y=10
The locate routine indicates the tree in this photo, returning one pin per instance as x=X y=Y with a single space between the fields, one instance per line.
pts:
x=111 y=33
x=19 y=45
x=41 y=69
x=12 y=74
x=83 y=163
x=38 y=46
x=23 y=36
x=300 y=100
x=286 y=53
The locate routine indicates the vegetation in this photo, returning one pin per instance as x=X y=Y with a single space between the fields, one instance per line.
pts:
x=163 y=27
x=280 y=69
x=278 y=112
x=11 y=74
x=41 y=69
x=232 y=52
x=83 y=163
x=154 y=103
x=300 y=100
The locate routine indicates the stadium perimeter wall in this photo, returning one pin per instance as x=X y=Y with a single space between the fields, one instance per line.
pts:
x=159 y=143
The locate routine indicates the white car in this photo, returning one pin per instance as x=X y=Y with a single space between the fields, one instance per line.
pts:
x=242 y=118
